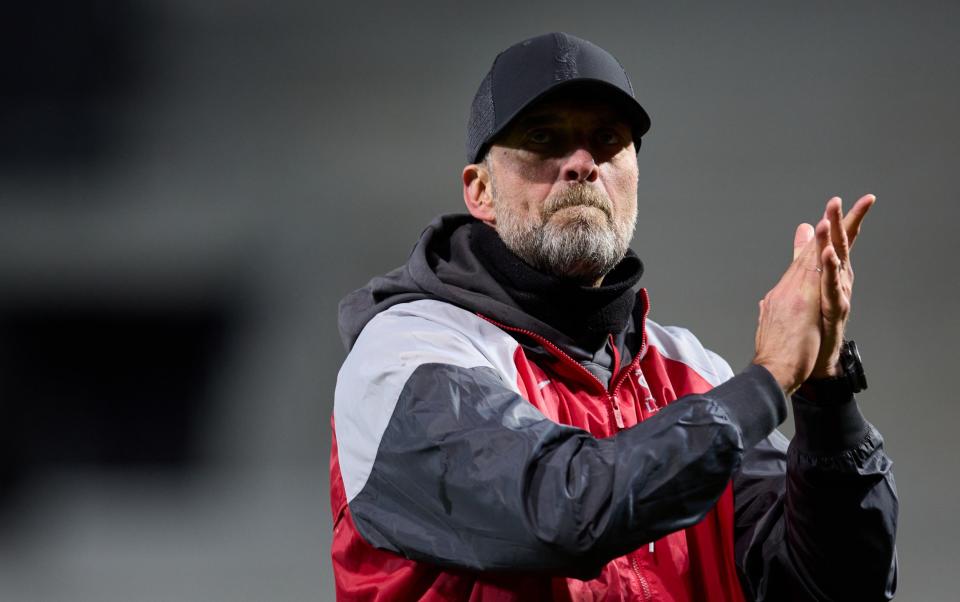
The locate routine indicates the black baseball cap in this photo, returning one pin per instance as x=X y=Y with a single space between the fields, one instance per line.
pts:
x=528 y=70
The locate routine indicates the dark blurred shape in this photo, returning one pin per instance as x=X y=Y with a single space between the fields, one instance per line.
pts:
x=63 y=67
x=106 y=385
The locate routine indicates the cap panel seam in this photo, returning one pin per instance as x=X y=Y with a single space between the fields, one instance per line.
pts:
x=625 y=76
x=493 y=98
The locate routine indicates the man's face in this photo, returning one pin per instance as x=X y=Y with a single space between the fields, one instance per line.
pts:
x=563 y=181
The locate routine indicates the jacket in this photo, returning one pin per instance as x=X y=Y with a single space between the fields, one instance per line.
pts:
x=479 y=454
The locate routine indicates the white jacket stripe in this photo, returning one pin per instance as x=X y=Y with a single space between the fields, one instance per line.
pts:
x=389 y=349
x=680 y=345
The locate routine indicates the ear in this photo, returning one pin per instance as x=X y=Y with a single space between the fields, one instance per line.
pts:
x=476 y=192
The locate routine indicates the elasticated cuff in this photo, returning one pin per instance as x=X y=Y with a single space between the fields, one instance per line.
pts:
x=754 y=402
x=828 y=424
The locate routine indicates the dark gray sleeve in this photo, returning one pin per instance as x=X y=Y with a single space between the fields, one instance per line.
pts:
x=816 y=520
x=469 y=474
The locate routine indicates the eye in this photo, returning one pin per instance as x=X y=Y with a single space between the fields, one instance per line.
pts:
x=540 y=136
x=609 y=136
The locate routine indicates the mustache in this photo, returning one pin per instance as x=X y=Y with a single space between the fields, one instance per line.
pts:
x=578 y=195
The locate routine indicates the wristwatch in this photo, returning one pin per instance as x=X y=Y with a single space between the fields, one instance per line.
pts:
x=852 y=366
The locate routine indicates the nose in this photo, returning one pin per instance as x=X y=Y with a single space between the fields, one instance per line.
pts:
x=580 y=166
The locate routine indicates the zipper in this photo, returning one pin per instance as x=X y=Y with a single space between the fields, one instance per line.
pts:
x=611 y=395
x=644 y=584
x=622 y=375
x=619 y=377
x=635 y=363
x=553 y=348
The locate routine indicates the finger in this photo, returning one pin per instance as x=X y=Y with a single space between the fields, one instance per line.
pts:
x=854 y=217
x=832 y=296
x=822 y=232
x=809 y=260
x=807 y=255
x=838 y=235
x=803 y=235
x=756 y=337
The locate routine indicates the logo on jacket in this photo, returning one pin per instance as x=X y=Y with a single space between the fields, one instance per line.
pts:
x=649 y=403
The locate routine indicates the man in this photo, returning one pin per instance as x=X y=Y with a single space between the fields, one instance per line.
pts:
x=510 y=425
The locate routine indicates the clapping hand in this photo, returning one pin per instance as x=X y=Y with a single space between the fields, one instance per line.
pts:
x=836 y=283
x=802 y=319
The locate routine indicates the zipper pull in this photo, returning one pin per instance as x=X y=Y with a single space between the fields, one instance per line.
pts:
x=617 y=416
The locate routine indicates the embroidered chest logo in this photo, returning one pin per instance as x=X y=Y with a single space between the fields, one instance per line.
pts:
x=649 y=403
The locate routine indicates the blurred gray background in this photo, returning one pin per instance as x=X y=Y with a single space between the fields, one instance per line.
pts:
x=188 y=188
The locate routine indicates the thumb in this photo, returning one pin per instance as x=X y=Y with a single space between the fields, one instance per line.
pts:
x=802 y=238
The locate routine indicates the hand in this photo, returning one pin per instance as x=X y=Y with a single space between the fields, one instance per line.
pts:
x=789 y=327
x=836 y=286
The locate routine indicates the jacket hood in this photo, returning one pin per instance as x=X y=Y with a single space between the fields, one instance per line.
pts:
x=443 y=267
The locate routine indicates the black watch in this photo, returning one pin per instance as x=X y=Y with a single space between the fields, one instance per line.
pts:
x=852 y=366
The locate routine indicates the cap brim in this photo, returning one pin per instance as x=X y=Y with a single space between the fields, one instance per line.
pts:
x=635 y=113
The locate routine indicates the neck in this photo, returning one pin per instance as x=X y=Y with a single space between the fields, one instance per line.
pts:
x=586 y=313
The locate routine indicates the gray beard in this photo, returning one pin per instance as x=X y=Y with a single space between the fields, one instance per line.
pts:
x=581 y=248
